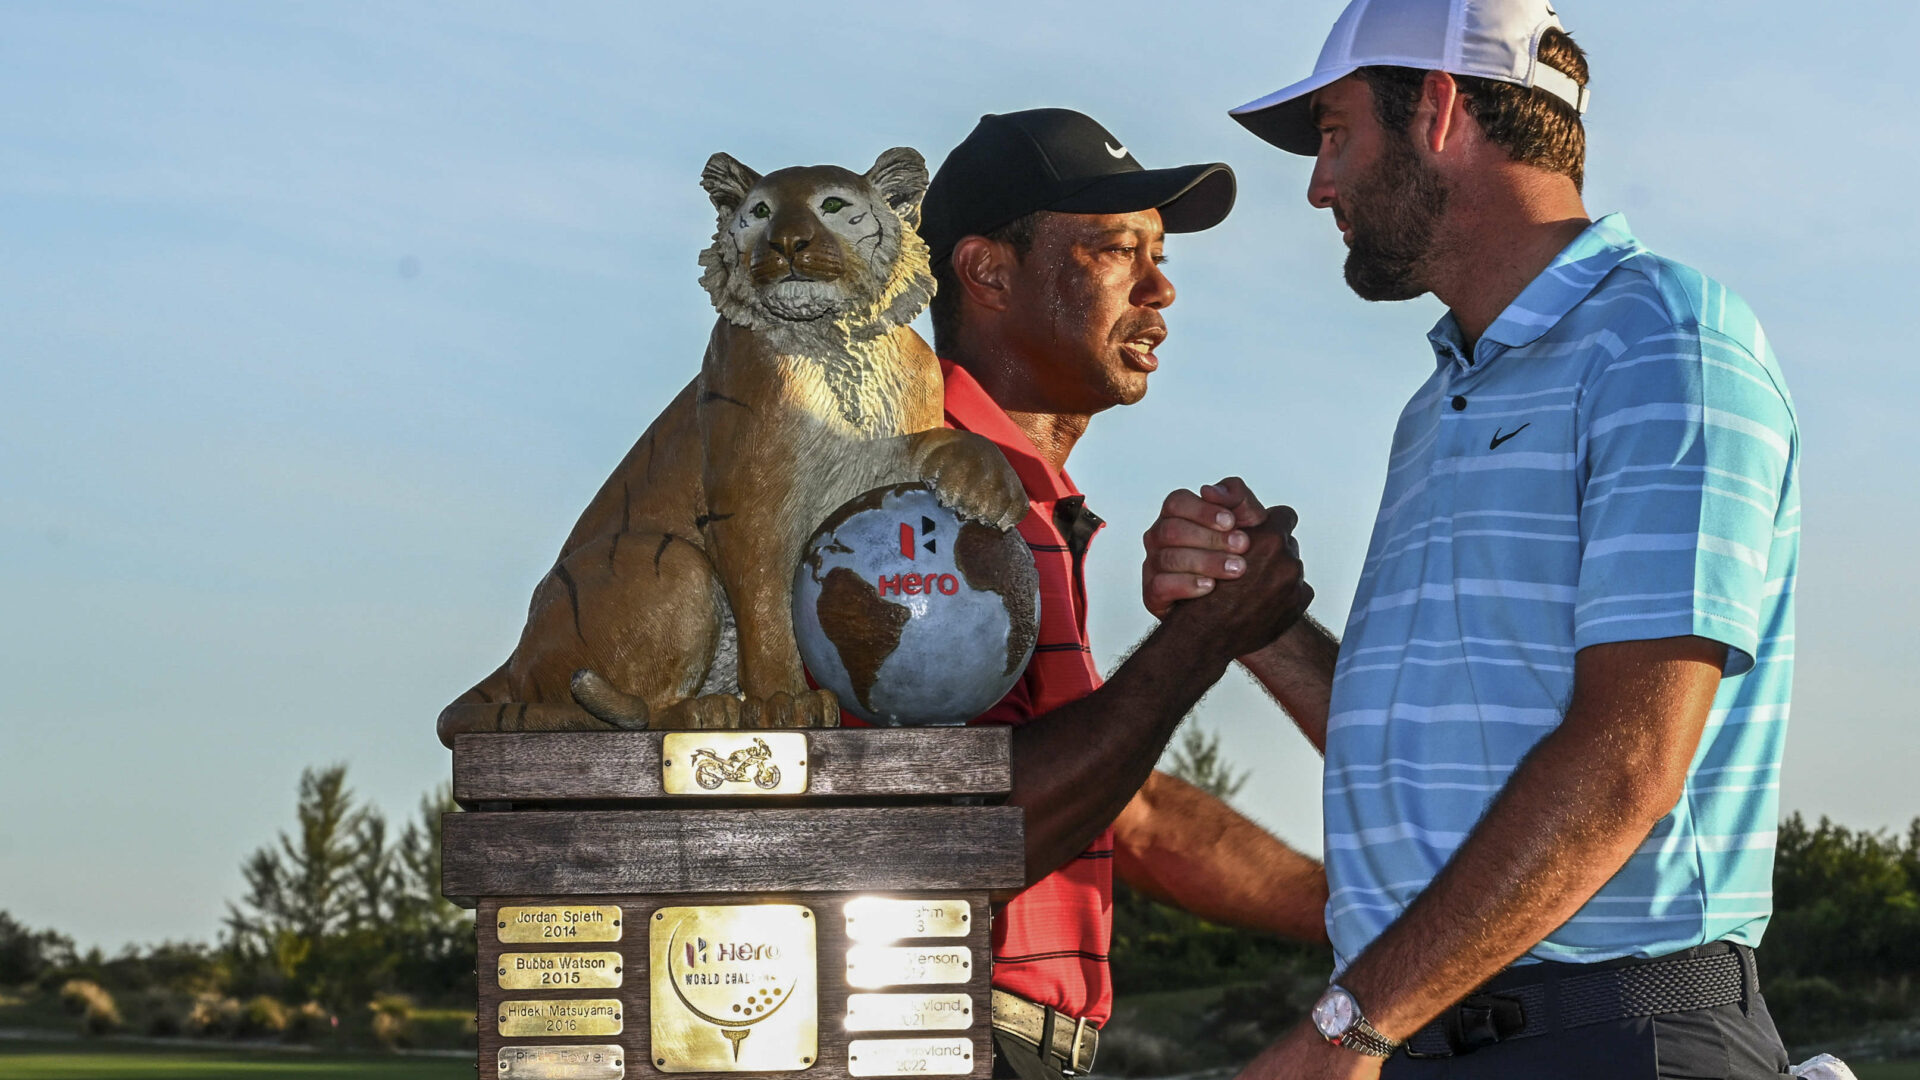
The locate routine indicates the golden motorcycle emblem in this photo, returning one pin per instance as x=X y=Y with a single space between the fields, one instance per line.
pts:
x=753 y=762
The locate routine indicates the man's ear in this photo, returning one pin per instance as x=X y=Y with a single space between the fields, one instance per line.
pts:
x=1439 y=118
x=983 y=269
x=727 y=182
x=900 y=176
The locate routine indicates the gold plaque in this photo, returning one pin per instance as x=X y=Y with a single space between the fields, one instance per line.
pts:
x=909 y=1012
x=559 y=970
x=584 y=1016
x=604 y=1062
x=877 y=918
x=735 y=988
x=734 y=763
x=559 y=922
x=910 y=1057
x=908 y=965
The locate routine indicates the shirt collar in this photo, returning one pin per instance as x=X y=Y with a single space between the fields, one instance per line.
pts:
x=969 y=408
x=1570 y=278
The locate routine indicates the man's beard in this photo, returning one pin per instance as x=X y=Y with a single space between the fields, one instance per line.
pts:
x=1393 y=215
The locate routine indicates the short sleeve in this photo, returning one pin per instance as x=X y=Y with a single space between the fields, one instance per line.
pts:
x=1688 y=442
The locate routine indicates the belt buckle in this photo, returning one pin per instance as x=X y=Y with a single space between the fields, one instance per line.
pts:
x=1073 y=1049
x=1482 y=1020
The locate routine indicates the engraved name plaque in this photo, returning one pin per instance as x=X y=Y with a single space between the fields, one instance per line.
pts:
x=910 y=1057
x=879 y=919
x=909 y=1012
x=603 y=1062
x=734 y=988
x=872 y=966
x=587 y=1016
x=559 y=922
x=733 y=763
x=559 y=970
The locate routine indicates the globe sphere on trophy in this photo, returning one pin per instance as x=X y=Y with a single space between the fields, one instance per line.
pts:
x=911 y=614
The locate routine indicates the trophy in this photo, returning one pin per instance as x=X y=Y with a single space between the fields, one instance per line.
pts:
x=679 y=863
x=756 y=901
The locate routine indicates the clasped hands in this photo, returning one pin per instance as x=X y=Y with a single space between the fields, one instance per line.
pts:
x=1233 y=566
x=1229 y=561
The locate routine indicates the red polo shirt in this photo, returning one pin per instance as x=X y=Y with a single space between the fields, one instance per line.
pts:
x=1050 y=942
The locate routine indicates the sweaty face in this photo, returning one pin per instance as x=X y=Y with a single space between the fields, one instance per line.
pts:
x=1085 y=308
x=1387 y=202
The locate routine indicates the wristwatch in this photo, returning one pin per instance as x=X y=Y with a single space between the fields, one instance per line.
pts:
x=1338 y=1017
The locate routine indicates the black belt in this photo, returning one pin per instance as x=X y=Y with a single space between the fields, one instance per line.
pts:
x=1540 y=998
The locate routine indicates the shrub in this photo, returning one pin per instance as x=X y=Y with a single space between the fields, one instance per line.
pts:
x=261 y=1017
x=75 y=994
x=392 y=1015
x=308 y=1023
x=165 y=1012
x=213 y=1016
x=92 y=1004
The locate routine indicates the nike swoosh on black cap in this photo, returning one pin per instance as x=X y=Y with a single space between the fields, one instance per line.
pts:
x=1013 y=164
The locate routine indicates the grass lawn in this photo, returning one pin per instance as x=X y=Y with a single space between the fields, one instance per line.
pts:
x=24 y=1060
x=121 y=1061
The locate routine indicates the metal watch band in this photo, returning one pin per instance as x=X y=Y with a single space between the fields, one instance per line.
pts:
x=1364 y=1039
x=1359 y=1036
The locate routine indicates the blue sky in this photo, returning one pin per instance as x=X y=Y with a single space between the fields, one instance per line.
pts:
x=319 y=323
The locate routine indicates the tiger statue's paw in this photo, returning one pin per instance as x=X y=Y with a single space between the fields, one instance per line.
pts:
x=971 y=476
x=708 y=712
x=810 y=709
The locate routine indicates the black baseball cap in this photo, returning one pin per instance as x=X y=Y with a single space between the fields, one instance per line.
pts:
x=1056 y=159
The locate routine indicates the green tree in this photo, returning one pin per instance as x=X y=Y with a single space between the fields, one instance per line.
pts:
x=26 y=955
x=1846 y=903
x=305 y=892
x=1197 y=760
x=436 y=943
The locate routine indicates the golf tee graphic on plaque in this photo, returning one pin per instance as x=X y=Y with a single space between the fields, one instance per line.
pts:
x=732 y=973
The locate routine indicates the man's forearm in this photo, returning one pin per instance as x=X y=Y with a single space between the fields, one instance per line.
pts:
x=1075 y=768
x=1180 y=845
x=1297 y=670
x=1571 y=815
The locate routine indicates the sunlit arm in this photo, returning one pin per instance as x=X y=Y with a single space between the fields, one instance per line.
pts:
x=1180 y=845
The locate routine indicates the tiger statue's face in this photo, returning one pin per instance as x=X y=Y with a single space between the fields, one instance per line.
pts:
x=818 y=253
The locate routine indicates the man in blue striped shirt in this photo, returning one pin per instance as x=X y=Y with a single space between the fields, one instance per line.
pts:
x=1553 y=729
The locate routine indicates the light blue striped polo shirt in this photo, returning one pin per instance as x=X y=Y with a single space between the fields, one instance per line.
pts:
x=1616 y=460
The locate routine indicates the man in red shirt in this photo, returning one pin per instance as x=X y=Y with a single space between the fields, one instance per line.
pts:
x=1047 y=238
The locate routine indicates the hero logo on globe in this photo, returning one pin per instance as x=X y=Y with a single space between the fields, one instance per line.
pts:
x=911 y=584
x=912 y=614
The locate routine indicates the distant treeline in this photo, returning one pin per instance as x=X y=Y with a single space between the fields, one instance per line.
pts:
x=342 y=935
x=342 y=924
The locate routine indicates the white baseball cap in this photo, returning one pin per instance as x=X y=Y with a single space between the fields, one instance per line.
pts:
x=1491 y=39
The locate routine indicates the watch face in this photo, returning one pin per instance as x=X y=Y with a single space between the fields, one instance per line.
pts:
x=1334 y=1013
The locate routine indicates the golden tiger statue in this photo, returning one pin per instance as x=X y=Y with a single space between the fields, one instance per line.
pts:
x=670 y=604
